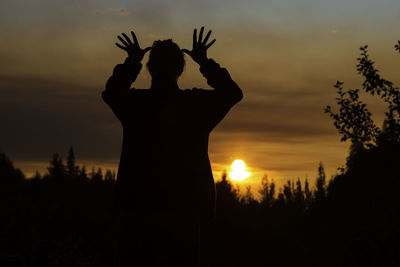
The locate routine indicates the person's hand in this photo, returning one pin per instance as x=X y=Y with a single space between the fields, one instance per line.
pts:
x=133 y=49
x=199 y=50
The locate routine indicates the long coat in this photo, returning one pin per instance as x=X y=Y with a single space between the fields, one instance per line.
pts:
x=164 y=164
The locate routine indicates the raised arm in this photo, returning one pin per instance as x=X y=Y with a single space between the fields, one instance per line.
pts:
x=118 y=85
x=226 y=90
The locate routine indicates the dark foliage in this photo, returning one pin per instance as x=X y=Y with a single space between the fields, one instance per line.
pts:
x=359 y=220
x=9 y=174
x=353 y=120
x=66 y=219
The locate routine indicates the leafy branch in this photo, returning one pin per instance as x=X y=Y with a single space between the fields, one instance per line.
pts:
x=353 y=120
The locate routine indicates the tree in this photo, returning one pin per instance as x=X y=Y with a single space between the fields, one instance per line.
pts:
x=320 y=184
x=288 y=192
x=366 y=192
x=227 y=195
x=248 y=198
x=109 y=177
x=82 y=174
x=56 y=169
x=355 y=151
x=9 y=174
x=280 y=199
x=37 y=176
x=307 y=193
x=267 y=192
x=353 y=120
x=299 y=195
x=376 y=85
x=96 y=177
x=72 y=169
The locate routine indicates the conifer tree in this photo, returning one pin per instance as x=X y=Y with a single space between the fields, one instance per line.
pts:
x=227 y=195
x=72 y=169
x=307 y=193
x=287 y=192
x=109 y=176
x=82 y=174
x=37 y=176
x=320 y=184
x=97 y=177
x=267 y=192
x=299 y=195
x=9 y=174
x=56 y=169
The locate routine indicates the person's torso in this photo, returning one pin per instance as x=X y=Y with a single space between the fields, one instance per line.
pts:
x=164 y=154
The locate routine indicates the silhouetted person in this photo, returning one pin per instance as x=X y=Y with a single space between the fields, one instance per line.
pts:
x=165 y=187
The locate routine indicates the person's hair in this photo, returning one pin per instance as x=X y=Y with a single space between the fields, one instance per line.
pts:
x=165 y=59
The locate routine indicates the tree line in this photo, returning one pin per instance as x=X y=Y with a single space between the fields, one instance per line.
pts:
x=87 y=197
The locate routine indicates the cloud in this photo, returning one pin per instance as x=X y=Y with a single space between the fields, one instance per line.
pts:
x=152 y=14
x=153 y=36
x=123 y=12
x=44 y=116
x=280 y=116
x=97 y=12
x=112 y=11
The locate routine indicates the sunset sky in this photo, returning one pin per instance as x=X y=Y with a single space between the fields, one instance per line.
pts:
x=55 y=57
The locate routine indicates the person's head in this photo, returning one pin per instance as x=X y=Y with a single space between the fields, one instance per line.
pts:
x=166 y=60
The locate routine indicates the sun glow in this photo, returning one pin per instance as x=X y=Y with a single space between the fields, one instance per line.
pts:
x=238 y=171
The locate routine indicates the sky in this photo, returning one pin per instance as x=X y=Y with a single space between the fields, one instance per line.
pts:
x=55 y=57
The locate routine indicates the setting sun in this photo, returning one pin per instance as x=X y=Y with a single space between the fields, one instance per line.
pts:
x=238 y=171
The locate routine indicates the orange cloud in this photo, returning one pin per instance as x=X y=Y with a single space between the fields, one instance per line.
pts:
x=155 y=36
x=97 y=12
x=123 y=12
x=119 y=11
